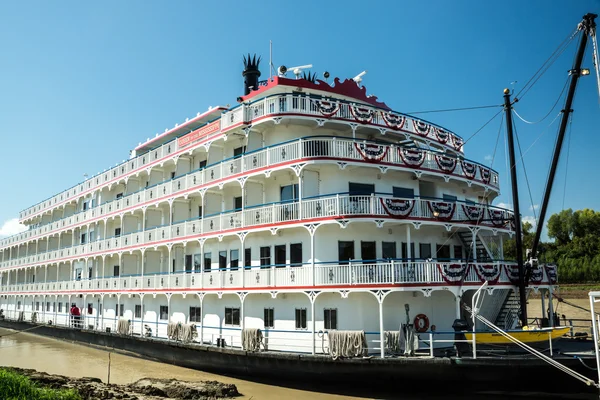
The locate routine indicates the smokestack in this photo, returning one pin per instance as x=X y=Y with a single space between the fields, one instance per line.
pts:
x=251 y=73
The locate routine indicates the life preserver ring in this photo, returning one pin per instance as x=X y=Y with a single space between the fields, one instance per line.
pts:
x=421 y=323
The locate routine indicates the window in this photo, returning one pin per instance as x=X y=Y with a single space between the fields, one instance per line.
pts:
x=202 y=164
x=237 y=203
x=37 y=306
x=424 y=250
x=403 y=193
x=117 y=232
x=449 y=197
x=172 y=175
x=83 y=238
x=269 y=318
x=296 y=254
x=197 y=262
x=67 y=307
x=164 y=312
x=199 y=211
x=443 y=252
x=232 y=316
x=405 y=251
x=90 y=308
x=367 y=252
x=85 y=205
x=248 y=257
x=60 y=307
x=361 y=189
x=345 y=251
x=207 y=261
x=119 y=196
x=195 y=314
x=53 y=306
x=92 y=236
x=89 y=273
x=458 y=252
x=18 y=305
x=330 y=318
x=300 y=318
x=289 y=193
x=265 y=256
x=238 y=151
x=47 y=306
x=188 y=263
x=173 y=267
x=234 y=256
x=222 y=260
x=116 y=270
x=280 y=255
x=138 y=311
x=388 y=250
x=119 y=310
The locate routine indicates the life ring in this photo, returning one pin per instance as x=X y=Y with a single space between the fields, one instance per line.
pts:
x=421 y=323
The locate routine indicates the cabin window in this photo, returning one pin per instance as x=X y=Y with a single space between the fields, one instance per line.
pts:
x=443 y=252
x=405 y=251
x=195 y=314
x=403 y=193
x=60 y=307
x=330 y=318
x=222 y=260
x=237 y=203
x=367 y=252
x=361 y=189
x=117 y=232
x=296 y=254
x=90 y=308
x=47 y=306
x=424 y=250
x=449 y=197
x=289 y=193
x=388 y=250
x=458 y=252
x=18 y=305
x=265 y=256
x=119 y=310
x=238 y=151
x=37 y=306
x=83 y=238
x=197 y=262
x=188 y=263
x=164 y=312
x=199 y=211
x=207 y=261
x=234 y=255
x=119 y=196
x=202 y=164
x=232 y=316
x=54 y=306
x=345 y=251
x=280 y=256
x=269 y=318
x=116 y=270
x=172 y=175
x=138 y=311
x=248 y=257
x=300 y=318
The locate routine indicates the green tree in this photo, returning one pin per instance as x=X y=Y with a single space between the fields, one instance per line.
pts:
x=510 y=246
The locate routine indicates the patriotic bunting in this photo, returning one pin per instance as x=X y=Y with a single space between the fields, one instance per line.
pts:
x=441 y=134
x=473 y=213
x=497 y=217
x=469 y=168
x=371 y=151
x=412 y=156
x=512 y=271
x=446 y=164
x=327 y=108
x=457 y=142
x=443 y=209
x=488 y=272
x=397 y=208
x=537 y=274
x=453 y=273
x=392 y=120
x=362 y=114
x=421 y=128
x=485 y=174
x=551 y=273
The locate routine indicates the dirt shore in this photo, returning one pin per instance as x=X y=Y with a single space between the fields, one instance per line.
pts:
x=143 y=389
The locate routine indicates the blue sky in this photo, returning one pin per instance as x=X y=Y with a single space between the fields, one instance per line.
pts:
x=82 y=83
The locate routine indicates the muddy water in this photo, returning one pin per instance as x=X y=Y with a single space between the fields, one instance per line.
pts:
x=26 y=350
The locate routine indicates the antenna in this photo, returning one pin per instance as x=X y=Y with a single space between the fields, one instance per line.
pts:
x=271 y=67
x=296 y=70
x=358 y=78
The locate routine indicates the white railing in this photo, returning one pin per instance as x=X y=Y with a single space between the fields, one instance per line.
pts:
x=340 y=110
x=317 y=147
x=344 y=205
x=349 y=274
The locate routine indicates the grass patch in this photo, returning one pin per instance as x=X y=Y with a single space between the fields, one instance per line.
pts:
x=14 y=386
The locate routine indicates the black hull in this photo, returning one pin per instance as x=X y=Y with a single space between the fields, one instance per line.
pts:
x=424 y=375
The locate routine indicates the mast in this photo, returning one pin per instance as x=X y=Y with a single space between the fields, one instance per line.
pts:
x=588 y=26
x=517 y=212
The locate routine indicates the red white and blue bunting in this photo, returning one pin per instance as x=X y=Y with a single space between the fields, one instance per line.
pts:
x=393 y=121
x=457 y=142
x=441 y=134
x=397 y=208
x=421 y=128
x=497 y=217
x=512 y=271
x=488 y=272
x=446 y=164
x=371 y=151
x=551 y=273
x=473 y=213
x=443 y=209
x=485 y=174
x=537 y=274
x=453 y=273
x=469 y=168
x=362 y=114
x=327 y=108
x=413 y=157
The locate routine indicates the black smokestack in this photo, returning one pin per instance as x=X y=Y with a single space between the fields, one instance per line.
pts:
x=251 y=73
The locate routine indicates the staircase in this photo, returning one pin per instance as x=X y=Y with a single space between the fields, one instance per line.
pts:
x=466 y=237
x=508 y=317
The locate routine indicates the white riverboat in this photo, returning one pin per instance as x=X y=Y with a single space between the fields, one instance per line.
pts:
x=307 y=207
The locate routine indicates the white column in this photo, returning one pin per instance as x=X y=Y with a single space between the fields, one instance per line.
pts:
x=409 y=254
x=313 y=323
x=381 y=331
x=551 y=305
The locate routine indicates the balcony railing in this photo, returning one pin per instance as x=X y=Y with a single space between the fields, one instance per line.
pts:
x=333 y=109
x=335 y=206
x=389 y=272
x=342 y=149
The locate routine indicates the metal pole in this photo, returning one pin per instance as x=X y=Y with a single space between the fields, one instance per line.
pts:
x=587 y=26
x=595 y=329
x=517 y=212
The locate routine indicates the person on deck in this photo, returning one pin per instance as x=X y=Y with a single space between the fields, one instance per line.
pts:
x=75 y=315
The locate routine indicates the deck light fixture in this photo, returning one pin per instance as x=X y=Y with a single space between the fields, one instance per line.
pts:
x=582 y=71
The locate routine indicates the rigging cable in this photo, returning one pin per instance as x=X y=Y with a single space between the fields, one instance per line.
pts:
x=547 y=64
x=596 y=60
x=454 y=109
x=570 y=132
x=525 y=173
x=551 y=109
x=484 y=125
